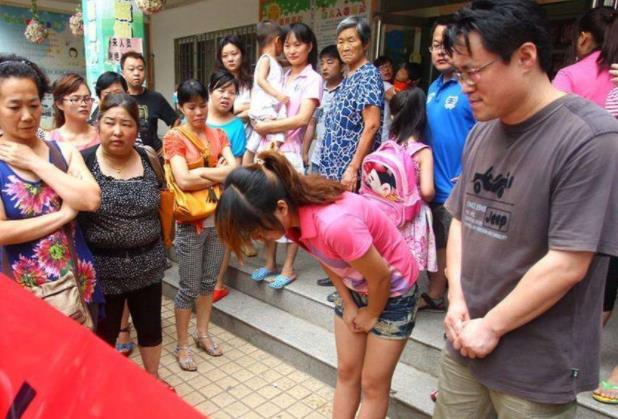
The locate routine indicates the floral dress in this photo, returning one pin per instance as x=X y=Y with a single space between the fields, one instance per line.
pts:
x=418 y=233
x=47 y=258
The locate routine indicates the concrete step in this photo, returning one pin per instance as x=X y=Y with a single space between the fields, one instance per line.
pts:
x=307 y=300
x=310 y=347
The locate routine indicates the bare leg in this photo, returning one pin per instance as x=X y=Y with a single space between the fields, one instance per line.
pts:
x=270 y=253
x=183 y=317
x=203 y=308
x=224 y=265
x=381 y=357
x=151 y=356
x=288 y=265
x=350 y=355
x=124 y=337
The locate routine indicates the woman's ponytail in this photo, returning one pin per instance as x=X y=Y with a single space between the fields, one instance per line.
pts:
x=301 y=189
x=609 y=49
x=251 y=196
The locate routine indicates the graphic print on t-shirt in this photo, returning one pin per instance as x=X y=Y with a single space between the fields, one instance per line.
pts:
x=143 y=122
x=483 y=213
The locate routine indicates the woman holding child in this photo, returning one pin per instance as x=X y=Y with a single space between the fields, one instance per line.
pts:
x=302 y=85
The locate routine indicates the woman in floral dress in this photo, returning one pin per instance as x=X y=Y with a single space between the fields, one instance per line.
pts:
x=37 y=199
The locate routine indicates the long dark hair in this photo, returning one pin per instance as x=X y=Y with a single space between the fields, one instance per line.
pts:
x=409 y=116
x=244 y=76
x=602 y=23
x=251 y=194
x=305 y=35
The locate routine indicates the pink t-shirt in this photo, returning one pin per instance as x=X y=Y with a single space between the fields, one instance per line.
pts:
x=342 y=232
x=584 y=79
x=307 y=85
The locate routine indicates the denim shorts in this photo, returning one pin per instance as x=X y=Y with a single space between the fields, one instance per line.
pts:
x=396 y=321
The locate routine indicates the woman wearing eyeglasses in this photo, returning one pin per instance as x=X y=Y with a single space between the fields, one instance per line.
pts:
x=72 y=108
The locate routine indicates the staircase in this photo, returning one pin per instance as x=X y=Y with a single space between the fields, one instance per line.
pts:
x=296 y=325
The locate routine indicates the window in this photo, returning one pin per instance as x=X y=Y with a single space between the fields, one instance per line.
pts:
x=195 y=55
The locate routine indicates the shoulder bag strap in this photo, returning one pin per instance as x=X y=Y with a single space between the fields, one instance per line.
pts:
x=202 y=148
x=153 y=160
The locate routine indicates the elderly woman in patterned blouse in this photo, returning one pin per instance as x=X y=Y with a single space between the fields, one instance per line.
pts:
x=354 y=122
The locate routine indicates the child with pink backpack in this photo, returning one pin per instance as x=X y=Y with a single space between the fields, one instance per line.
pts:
x=398 y=177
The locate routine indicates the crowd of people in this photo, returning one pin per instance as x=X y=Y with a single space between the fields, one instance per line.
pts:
x=498 y=182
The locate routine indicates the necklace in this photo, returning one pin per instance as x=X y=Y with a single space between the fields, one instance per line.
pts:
x=118 y=170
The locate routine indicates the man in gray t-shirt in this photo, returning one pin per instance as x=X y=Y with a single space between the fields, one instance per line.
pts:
x=536 y=203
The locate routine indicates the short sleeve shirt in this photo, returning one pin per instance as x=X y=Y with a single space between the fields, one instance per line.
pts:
x=235 y=131
x=342 y=232
x=307 y=85
x=152 y=107
x=585 y=79
x=176 y=144
x=550 y=182
x=449 y=120
x=344 y=124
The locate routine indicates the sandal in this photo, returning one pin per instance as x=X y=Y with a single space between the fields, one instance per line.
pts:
x=260 y=274
x=127 y=348
x=207 y=343
x=186 y=363
x=605 y=387
x=431 y=304
x=282 y=281
x=219 y=294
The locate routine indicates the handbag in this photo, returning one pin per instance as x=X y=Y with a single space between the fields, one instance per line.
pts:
x=64 y=294
x=166 y=208
x=193 y=205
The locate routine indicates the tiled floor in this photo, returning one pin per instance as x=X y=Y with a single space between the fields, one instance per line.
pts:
x=245 y=382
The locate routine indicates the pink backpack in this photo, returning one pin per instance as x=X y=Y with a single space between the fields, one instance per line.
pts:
x=388 y=178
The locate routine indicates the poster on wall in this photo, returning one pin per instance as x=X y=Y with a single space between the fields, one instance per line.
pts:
x=60 y=53
x=111 y=27
x=322 y=16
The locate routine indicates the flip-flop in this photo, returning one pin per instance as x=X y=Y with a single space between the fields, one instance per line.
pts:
x=606 y=385
x=281 y=281
x=260 y=274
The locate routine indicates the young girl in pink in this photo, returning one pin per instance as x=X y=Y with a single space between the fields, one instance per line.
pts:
x=359 y=248
x=407 y=129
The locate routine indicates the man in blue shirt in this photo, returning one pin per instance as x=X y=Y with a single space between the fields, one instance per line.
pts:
x=449 y=119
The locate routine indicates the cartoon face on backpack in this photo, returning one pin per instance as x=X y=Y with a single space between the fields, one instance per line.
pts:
x=380 y=180
x=389 y=181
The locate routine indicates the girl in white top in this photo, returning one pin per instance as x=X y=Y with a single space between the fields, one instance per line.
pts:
x=267 y=98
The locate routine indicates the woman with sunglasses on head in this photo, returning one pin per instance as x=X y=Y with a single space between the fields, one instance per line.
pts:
x=72 y=108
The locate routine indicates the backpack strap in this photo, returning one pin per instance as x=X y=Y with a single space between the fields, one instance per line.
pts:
x=414 y=147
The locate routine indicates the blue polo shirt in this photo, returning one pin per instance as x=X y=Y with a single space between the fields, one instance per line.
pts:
x=449 y=119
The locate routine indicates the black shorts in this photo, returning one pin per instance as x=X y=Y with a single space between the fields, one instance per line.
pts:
x=611 y=284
